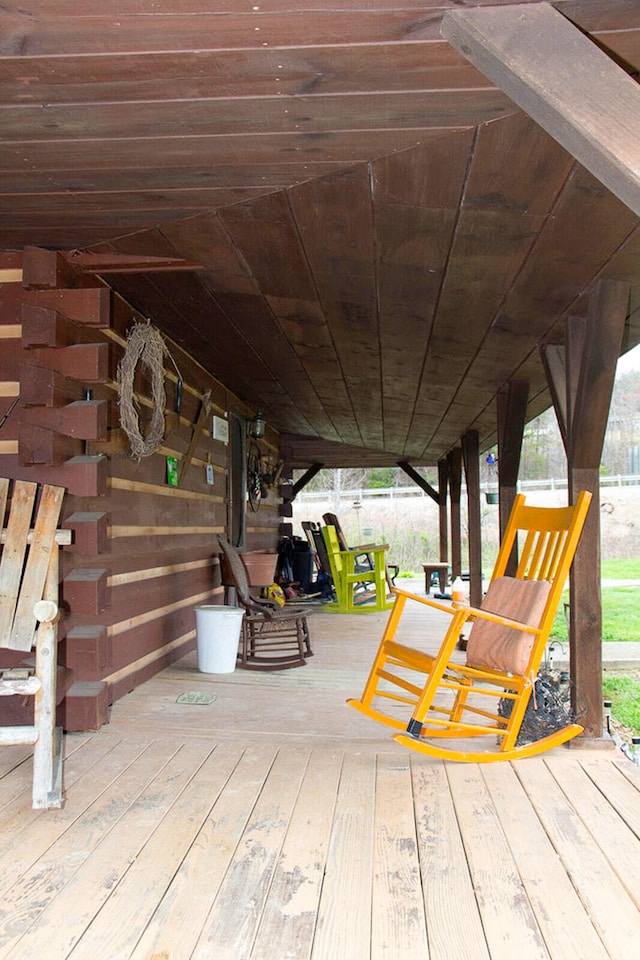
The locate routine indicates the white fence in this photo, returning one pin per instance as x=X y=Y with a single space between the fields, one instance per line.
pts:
x=397 y=493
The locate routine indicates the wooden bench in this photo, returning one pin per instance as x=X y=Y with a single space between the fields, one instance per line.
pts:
x=441 y=569
x=28 y=618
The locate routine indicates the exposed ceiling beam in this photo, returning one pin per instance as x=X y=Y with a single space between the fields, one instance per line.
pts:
x=570 y=87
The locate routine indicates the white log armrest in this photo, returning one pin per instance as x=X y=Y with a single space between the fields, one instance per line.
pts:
x=46 y=611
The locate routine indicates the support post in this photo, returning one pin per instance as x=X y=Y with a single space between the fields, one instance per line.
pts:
x=454 y=460
x=512 y=413
x=585 y=379
x=471 y=455
x=443 y=486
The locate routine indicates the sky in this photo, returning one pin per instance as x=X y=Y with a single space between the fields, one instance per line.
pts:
x=630 y=361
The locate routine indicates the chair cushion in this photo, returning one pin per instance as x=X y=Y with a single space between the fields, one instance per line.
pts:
x=503 y=648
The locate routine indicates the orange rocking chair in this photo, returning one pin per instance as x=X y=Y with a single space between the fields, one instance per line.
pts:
x=483 y=699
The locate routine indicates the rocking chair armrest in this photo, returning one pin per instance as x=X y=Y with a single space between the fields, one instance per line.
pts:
x=262 y=605
x=45 y=611
x=476 y=613
x=444 y=607
x=366 y=547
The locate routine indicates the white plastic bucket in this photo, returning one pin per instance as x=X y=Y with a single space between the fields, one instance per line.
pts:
x=217 y=636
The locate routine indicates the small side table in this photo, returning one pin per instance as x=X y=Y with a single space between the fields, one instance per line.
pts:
x=441 y=569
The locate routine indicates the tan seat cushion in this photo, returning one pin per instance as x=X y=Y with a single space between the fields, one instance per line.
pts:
x=503 y=648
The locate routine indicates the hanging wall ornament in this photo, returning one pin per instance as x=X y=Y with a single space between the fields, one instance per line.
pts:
x=144 y=345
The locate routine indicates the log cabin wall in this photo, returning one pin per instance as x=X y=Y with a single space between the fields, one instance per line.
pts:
x=143 y=555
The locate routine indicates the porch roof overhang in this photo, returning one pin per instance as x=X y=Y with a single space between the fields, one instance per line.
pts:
x=376 y=237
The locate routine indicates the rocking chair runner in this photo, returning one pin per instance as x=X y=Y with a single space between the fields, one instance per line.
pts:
x=272 y=638
x=504 y=650
x=28 y=617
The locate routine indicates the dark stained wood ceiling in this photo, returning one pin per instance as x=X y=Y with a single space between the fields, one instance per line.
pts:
x=385 y=237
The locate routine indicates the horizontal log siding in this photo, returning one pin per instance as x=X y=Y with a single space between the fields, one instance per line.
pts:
x=128 y=595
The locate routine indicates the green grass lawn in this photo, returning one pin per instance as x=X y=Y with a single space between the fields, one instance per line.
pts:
x=624 y=693
x=620 y=605
x=620 y=621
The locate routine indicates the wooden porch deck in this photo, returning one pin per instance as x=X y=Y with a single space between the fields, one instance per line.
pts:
x=275 y=823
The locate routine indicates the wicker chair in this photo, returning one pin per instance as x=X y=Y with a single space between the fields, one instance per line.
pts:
x=272 y=638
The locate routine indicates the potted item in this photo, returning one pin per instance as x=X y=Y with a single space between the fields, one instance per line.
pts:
x=260 y=567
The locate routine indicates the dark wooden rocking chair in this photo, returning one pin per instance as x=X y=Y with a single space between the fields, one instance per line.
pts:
x=485 y=698
x=28 y=618
x=272 y=638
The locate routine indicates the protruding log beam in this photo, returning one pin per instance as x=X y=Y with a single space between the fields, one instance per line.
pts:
x=87 y=650
x=90 y=306
x=37 y=445
x=561 y=79
x=44 y=269
x=83 y=419
x=82 y=476
x=43 y=327
x=42 y=387
x=86 y=362
x=85 y=590
x=89 y=532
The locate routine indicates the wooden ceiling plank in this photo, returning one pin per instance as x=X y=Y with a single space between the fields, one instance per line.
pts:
x=232 y=73
x=416 y=198
x=595 y=224
x=251 y=318
x=124 y=263
x=207 y=151
x=178 y=311
x=562 y=80
x=135 y=33
x=503 y=209
x=591 y=17
x=272 y=176
x=260 y=227
x=334 y=219
x=97 y=8
x=489 y=249
x=71 y=202
x=234 y=116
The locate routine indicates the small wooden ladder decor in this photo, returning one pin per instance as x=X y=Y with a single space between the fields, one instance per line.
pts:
x=28 y=618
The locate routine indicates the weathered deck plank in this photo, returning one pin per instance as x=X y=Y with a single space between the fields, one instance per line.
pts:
x=344 y=914
x=180 y=915
x=398 y=920
x=289 y=916
x=454 y=926
x=612 y=911
x=508 y=918
x=561 y=916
